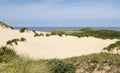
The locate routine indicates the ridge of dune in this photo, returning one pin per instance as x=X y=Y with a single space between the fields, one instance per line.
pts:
x=4 y=25
x=53 y=46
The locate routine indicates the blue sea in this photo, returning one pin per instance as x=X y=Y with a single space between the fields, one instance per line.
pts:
x=47 y=29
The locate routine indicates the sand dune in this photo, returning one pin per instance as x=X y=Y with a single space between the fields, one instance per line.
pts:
x=53 y=46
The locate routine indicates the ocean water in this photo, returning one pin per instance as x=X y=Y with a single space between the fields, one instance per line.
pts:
x=47 y=29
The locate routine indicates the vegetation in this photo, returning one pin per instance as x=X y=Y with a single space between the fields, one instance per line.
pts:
x=47 y=34
x=86 y=32
x=96 y=63
x=6 y=54
x=38 y=35
x=15 y=41
x=5 y=25
x=58 y=32
x=34 y=31
x=22 y=39
x=58 y=66
x=12 y=63
x=22 y=30
x=114 y=46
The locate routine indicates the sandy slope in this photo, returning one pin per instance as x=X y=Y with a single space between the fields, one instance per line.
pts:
x=53 y=46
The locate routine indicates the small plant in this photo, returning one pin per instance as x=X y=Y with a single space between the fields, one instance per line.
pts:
x=15 y=41
x=41 y=34
x=9 y=43
x=47 y=34
x=22 y=39
x=36 y=34
x=5 y=25
x=58 y=32
x=22 y=30
x=34 y=31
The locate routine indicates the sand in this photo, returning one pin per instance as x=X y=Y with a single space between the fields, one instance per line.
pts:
x=54 y=46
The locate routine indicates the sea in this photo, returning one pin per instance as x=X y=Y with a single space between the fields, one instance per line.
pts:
x=48 y=29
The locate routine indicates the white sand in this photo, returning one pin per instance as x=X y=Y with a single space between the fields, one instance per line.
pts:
x=53 y=46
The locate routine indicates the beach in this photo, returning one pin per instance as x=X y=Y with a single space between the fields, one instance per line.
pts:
x=54 y=46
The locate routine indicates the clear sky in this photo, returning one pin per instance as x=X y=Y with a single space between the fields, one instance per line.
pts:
x=84 y=13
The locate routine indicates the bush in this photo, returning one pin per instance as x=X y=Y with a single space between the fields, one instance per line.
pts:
x=58 y=32
x=34 y=31
x=114 y=46
x=41 y=34
x=5 y=25
x=15 y=41
x=36 y=34
x=9 y=43
x=6 y=54
x=22 y=30
x=22 y=39
x=47 y=34
x=58 y=66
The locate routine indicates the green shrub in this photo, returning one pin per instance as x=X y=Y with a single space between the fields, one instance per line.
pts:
x=38 y=35
x=34 y=31
x=58 y=66
x=6 y=54
x=22 y=39
x=15 y=41
x=9 y=43
x=58 y=32
x=22 y=30
x=47 y=34
x=114 y=46
x=5 y=25
x=89 y=32
x=41 y=34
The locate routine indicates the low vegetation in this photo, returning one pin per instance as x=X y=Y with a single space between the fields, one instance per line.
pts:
x=87 y=32
x=113 y=47
x=6 y=54
x=58 y=32
x=47 y=34
x=33 y=31
x=15 y=41
x=12 y=63
x=22 y=30
x=96 y=63
x=5 y=25
x=38 y=34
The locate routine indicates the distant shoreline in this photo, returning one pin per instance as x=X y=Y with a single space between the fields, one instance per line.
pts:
x=48 y=29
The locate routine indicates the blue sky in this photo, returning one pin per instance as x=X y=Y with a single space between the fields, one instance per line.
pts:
x=67 y=13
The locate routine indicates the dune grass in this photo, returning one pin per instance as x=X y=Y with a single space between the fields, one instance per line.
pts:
x=10 y=62
x=96 y=63
x=115 y=46
x=87 y=32
x=5 y=25
x=22 y=30
x=15 y=41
